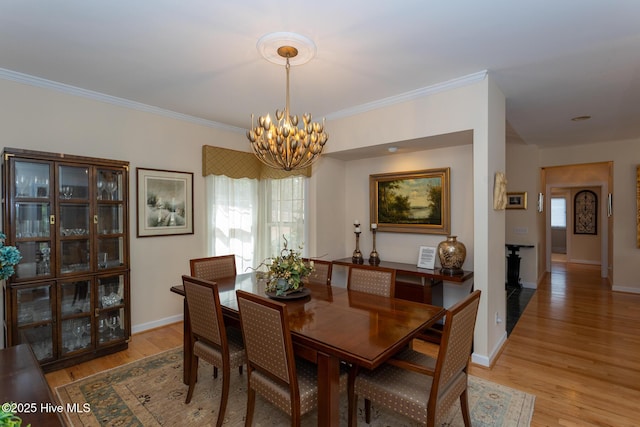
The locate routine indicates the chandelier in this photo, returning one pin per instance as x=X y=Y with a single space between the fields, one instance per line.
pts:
x=281 y=144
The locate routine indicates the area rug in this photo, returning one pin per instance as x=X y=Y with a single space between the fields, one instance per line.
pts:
x=150 y=392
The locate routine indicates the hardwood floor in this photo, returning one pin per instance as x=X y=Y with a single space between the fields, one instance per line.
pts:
x=576 y=347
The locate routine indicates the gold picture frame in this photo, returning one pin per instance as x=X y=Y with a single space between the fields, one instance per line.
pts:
x=517 y=200
x=411 y=202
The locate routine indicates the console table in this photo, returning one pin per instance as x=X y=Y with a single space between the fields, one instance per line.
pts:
x=513 y=264
x=420 y=291
x=22 y=381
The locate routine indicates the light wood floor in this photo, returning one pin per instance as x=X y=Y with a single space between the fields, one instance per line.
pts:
x=576 y=347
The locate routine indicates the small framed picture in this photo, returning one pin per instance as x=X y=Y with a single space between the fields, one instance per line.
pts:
x=427 y=257
x=165 y=202
x=517 y=200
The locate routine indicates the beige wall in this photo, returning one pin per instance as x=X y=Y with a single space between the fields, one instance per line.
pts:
x=521 y=225
x=47 y=120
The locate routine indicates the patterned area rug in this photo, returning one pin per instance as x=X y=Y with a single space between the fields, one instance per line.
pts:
x=150 y=392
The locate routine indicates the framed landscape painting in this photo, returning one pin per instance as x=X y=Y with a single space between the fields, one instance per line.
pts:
x=411 y=202
x=164 y=202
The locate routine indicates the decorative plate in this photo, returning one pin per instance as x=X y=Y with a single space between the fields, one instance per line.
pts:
x=301 y=293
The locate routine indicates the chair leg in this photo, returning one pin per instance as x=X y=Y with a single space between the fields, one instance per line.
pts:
x=251 y=403
x=226 y=380
x=192 y=378
x=464 y=404
x=352 y=397
x=367 y=411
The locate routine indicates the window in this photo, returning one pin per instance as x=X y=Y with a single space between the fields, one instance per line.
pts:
x=248 y=218
x=558 y=212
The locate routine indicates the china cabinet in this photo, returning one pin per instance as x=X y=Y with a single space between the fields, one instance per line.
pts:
x=68 y=217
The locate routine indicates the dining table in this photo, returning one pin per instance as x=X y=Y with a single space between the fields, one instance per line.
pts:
x=331 y=325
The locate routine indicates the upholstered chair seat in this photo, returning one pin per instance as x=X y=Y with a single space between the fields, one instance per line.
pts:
x=419 y=386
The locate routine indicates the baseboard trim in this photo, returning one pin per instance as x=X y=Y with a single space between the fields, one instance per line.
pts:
x=156 y=323
x=625 y=289
x=488 y=361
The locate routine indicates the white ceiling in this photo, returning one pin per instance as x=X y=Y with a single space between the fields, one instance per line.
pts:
x=553 y=60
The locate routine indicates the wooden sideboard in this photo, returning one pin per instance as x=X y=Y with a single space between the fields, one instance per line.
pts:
x=413 y=283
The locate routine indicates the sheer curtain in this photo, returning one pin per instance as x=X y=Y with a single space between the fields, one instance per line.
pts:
x=282 y=213
x=231 y=218
x=248 y=217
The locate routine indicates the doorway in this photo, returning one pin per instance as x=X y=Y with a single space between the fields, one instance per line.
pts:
x=565 y=182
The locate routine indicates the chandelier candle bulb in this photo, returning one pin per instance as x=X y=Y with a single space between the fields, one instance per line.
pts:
x=357 y=229
x=356 y=222
x=374 y=226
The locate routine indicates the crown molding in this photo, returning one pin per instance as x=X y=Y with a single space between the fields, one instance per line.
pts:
x=408 y=96
x=97 y=96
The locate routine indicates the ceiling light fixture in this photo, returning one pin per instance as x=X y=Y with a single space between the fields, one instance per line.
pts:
x=282 y=144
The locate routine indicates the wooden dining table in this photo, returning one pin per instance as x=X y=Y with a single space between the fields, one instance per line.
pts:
x=331 y=325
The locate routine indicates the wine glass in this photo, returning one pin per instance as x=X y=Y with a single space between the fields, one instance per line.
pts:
x=101 y=186
x=78 y=330
x=67 y=191
x=22 y=184
x=112 y=323
x=111 y=187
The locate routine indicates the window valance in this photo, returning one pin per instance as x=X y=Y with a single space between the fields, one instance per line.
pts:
x=241 y=164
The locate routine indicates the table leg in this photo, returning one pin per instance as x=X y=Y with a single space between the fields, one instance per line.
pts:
x=328 y=390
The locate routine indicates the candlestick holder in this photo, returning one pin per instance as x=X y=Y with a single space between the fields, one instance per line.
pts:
x=357 y=255
x=374 y=258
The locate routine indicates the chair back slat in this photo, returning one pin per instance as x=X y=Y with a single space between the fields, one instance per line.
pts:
x=205 y=312
x=213 y=268
x=266 y=335
x=373 y=280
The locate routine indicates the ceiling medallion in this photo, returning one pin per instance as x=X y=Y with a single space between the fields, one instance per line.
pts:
x=282 y=144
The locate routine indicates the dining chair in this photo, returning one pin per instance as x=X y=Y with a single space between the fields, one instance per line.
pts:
x=322 y=271
x=212 y=268
x=288 y=382
x=211 y=341
x=419 y=386
x=372 y=279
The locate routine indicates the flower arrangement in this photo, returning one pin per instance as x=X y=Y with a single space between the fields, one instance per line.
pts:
x=8 y=417
x=9 y=256
x=287 y=271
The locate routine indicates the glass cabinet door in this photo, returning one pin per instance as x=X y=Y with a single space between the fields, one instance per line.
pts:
x=75 y=315
x=32 y=180
x=74 y=219
x=111 y=319
x=109 y=184
x=35 y=319
x=31 y=218
x=110 y=218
